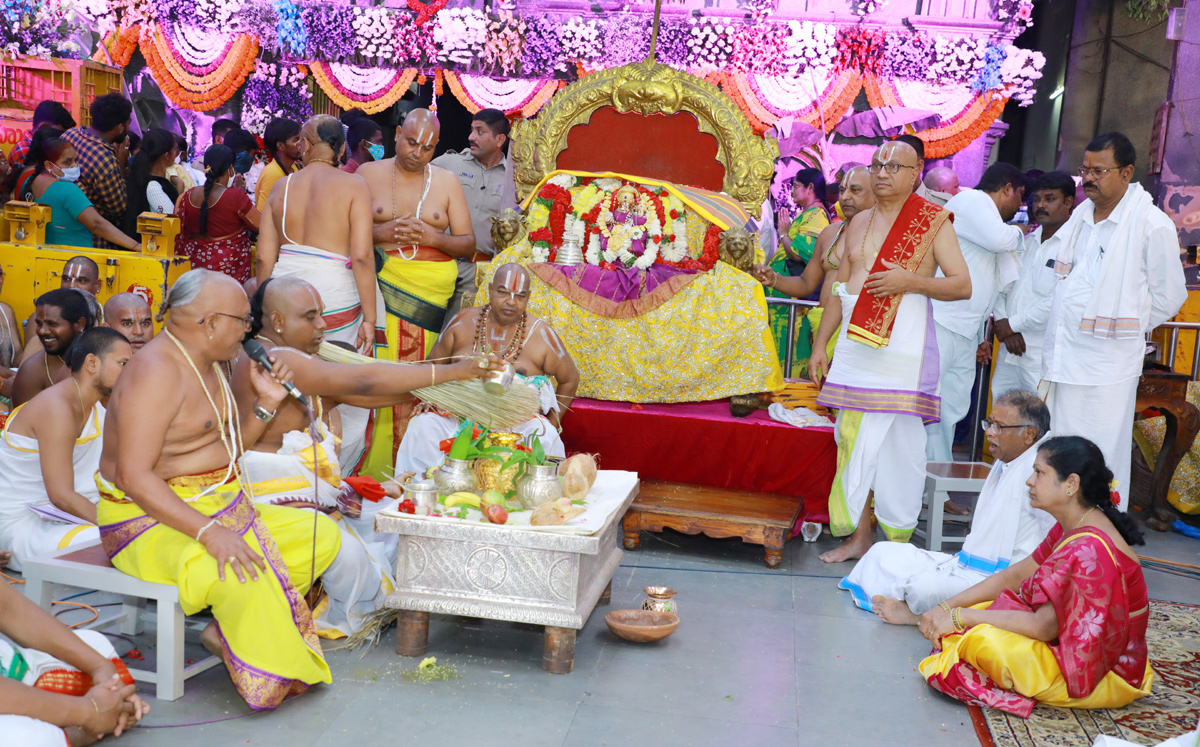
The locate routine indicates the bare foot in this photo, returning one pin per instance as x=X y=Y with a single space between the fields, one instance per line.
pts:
x=851 y=549
x=892 y=610
x=954 y=509
x=210 y=639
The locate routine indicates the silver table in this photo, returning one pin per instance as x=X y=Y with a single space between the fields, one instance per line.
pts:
x=490 y=572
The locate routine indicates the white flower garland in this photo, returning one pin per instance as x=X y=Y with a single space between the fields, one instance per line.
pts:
x=581 y=39
x=374 y=34
x=460 y=34
x=198 y=46
x=503 y=94
x=1020 y=71
x=810 y=45
x=365 y=81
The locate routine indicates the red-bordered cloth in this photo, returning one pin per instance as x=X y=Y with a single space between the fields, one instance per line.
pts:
x=906 y=245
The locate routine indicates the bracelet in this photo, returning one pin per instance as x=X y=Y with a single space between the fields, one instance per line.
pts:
x=945 y=606
x=774 y=278
x=956 y=618
x=263 y=413
x=95 y=707
x=203 y=528
x=432 y=374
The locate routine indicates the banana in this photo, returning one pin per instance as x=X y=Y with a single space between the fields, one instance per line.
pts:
x=462 y=498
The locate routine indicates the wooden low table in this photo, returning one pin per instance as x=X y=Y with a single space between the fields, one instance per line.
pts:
x=503 y=573
x=758 y=518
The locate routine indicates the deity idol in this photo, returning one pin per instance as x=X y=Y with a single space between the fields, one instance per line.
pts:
x=622 y=230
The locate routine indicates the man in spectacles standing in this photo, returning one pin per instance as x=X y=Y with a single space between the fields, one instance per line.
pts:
x=988 y=246
x=1120 y=276
x=884 y=375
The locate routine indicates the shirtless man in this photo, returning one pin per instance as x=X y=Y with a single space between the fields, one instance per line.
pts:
x=421 y=221
x=507 y=331
x=881 y=380
x=172 y=509
x=81 y=273
x=288 y=322
x=59 y=317
x=129 y=314
x=329 y=222
x=51 y=451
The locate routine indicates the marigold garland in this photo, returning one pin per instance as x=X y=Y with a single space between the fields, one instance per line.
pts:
x=837 y=97
x=187 y=87
x=475 y=100
x=370 y=103
x=120 y=45
x=954 y=133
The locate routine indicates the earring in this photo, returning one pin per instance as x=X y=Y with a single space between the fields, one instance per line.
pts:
x=1070 y=493
x=278 y=331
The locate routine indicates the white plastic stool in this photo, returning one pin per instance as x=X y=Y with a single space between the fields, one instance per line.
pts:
x=940 y=479
x=88 y=567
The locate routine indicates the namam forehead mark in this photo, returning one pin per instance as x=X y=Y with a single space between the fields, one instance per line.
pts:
x=857 y=175
x=513 y=279
x=896 y=152
x=424 y=126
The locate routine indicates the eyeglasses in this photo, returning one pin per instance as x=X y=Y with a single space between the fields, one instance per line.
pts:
x=246 y=321
x=988 y=424
x=891 y=168
x=1086 y=172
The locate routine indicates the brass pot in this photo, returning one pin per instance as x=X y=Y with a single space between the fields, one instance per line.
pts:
x=487 y=471
x=658 y=599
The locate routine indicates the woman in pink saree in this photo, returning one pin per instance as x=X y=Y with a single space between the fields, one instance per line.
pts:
x=1065 y=626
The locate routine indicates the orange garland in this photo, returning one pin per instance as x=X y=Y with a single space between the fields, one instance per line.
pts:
x=531 y=107
x=835 y=99
x=120 y=45
x=377 y=104
x=957 y=133
x=198 y=92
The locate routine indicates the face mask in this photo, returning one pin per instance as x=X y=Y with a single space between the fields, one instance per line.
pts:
x=242 y=163
x=376 y=151
x=70 y=175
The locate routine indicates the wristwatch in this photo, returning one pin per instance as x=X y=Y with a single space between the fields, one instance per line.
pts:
x=263 y=413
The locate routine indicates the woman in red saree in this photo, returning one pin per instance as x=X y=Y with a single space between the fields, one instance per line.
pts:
x=1065 y=626
x=217 y=219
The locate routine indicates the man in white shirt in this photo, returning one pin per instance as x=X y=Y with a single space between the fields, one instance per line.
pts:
x=988 y=245
x=1120 y=277
x=1022 y=309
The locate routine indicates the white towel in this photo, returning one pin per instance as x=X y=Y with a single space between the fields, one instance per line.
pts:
x=1114 y=310
x=801 y=417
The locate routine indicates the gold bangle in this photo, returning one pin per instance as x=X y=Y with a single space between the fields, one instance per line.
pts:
x=774 y=279
x=956 y=618
x=96 y=707
x=432 y=374
x=945 y=606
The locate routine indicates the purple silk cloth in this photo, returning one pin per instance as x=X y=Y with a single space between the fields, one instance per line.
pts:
x=622 y=284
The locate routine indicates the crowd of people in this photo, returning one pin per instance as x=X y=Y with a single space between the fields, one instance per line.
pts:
x=223 y=485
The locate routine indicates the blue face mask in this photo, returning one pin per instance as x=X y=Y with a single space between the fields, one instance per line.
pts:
x=242 y=163
x=376 y=150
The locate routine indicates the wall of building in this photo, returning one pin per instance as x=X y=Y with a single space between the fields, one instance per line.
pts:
x=1178 y=187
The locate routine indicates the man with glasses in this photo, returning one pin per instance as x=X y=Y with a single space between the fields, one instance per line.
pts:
x=899 y=582
x=884 y=376
x=174 y=508
x=1120 y=276
x=988 y=246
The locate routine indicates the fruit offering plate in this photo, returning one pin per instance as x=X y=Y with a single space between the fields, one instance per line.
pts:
x=607 y=495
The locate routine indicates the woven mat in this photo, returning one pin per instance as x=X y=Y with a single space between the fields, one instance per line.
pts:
x=1174 y=642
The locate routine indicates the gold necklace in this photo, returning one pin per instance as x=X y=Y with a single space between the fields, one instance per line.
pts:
x=320 y=160
x=80 y=393
x=46 y=360
x=1081 y=518
x=863 y=249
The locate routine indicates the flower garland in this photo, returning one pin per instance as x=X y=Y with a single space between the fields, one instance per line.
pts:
x=460 y=34
x=38 y=28
x=708 y=257
x=953 y=133
x=190 y=87
x=767 y=99
x=275 y=90
x=513 y=96
x=860 y=49
x=369 y=89
x=293 y=37
x=709 y=47
x=117 y=47
x=505 y=45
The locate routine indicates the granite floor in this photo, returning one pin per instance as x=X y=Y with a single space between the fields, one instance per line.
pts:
x=762 y=657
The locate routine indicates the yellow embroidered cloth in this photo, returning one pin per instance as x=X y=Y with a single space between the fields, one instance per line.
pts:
x=709 y=341
x=1148 y=434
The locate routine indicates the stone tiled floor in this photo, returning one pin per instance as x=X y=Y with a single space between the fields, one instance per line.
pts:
x=760 y=658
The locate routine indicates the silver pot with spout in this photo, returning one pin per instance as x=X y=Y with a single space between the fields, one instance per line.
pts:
x=455 y=475
x=539 y=485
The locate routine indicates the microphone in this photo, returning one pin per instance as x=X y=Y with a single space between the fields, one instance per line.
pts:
x=258 y=354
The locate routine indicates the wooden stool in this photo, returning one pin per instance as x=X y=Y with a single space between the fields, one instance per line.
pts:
x=940 y=479
x=88 y=567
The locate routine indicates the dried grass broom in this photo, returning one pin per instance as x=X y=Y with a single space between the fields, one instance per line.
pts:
x=466 y=399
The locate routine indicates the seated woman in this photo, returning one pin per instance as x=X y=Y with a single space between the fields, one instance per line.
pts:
x=51 y=181
x=150 y=190
x=217 y=219
x=1065 y=626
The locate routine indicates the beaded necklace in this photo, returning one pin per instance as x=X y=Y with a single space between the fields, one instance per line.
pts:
x=483 y=346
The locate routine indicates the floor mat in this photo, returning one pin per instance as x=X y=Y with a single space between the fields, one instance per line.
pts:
x=1174 y=642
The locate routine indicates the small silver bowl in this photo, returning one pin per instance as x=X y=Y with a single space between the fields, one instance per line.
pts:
x=498 y=382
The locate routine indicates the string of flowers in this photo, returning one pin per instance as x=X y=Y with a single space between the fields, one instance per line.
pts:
x=38 y=28
x=460 y=34
x=275 y=90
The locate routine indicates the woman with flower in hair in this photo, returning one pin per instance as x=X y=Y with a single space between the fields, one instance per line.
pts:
x=1066 y=626
x=217 y=219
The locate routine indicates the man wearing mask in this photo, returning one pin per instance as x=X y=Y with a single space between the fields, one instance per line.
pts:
x=243 y=145
x=483 y=172
x=103 y=152
x=364 y=143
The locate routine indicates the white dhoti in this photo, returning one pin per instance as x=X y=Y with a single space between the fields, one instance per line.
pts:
x=358 y=580
x=22 y=486
x=1102 y=414
x=1004 y=529
x=333 y=278
x=32 y=664
x=956 y=361
x=884 y=395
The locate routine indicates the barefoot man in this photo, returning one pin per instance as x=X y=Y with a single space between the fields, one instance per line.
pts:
x=129 y=314
x=856 y=196
x=884 y=377
x=174 y=508
x=289 y=323
x=900 y=582
x=326 y=240
x=50 y=451
x=501 y=328
x=422 y=223
x=59 y=316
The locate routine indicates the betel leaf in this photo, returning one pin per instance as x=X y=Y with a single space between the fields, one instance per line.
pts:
x=539 y=454
x=461 y=448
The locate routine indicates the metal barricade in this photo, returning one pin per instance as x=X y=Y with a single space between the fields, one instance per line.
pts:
x=791 y=304
x=1167 y=357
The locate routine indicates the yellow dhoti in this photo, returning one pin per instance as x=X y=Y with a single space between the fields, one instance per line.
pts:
x=268 y=639
x=415 y=294
x=1023 y=666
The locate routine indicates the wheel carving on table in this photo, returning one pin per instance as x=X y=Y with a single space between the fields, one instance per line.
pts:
x=486 y=569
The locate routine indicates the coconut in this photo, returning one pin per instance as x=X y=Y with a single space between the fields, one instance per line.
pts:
x=579 y=475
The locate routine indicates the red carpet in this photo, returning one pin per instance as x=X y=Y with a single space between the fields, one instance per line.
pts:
x=700 y=443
